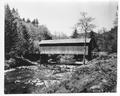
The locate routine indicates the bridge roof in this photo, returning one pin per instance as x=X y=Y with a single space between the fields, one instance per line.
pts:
x=65 y=41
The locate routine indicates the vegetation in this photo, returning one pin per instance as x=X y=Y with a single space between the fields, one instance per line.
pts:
x=25 y=76
x=21 y=35
x=75 y=34
x=85 y=25
x=106 y=41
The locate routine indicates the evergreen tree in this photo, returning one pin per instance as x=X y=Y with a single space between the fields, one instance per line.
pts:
x=10 y=30
x=13 y=10
x=26 y=36
x=75 y=34
x=23 y=19
x=28 y=21
x=91 y=34
x=36 y=22
x=21 y=45
x=15 y=14
x=33 y=22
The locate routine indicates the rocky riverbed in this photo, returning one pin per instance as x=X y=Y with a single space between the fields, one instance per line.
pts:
x=26 y=79
x=98 y=75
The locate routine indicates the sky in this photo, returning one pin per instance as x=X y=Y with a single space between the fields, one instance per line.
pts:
x=60 y=17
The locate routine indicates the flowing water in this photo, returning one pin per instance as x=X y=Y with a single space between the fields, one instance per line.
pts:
x=28 y=79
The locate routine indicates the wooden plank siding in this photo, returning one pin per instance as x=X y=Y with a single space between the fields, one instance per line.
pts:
x=67 y=46
x=63 y=49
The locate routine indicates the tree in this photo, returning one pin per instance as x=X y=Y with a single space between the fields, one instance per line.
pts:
x=104 y=39
x=13 y=10
x=15 y=13
x=22 y=42
x=85 y=25
x=23 y=19
x=20 y=36
x=75 y=33
x=8 y=22
x=116 y=19
x=10 y=30
x=26 y=36
x=47 y=36
x=35 y=22
x=28 y=21
x=115 y=30
x=45 y=32
x=16 y=35
x=92 y=34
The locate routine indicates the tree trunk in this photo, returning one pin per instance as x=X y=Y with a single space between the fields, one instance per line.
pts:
x=84 y=49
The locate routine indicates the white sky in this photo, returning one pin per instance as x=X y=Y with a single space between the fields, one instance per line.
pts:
x=62 y=16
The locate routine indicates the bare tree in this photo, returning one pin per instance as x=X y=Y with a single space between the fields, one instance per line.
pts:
x=85 y=26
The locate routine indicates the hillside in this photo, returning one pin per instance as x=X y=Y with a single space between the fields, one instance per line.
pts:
x=21 y=34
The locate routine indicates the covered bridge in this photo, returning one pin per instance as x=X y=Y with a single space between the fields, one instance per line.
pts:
x=67 y=46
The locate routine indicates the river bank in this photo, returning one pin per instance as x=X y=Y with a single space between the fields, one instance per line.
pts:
x=98 y=75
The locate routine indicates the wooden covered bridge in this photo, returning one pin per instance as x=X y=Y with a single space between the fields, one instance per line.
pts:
x=66 y=46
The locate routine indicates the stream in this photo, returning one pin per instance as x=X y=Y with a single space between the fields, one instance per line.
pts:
x=34 y=79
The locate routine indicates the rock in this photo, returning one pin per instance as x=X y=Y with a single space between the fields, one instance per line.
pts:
x=95 y=87
x=35 y=80
x=39 y=83
x=62 y=90
x=104 y=80
x=49 y=83
x=17 y=81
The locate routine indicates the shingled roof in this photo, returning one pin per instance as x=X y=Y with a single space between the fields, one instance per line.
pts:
x=63 y=41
